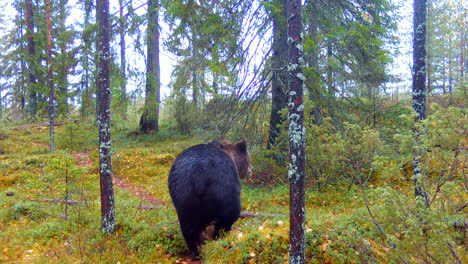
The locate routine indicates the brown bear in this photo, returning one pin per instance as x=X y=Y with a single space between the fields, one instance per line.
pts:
x=205 y=188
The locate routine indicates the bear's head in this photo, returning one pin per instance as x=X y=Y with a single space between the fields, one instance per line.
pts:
x=240 y=155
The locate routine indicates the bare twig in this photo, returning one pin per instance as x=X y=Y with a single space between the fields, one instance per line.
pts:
x=375 y=221
x=373 y=218
x=454 y=253
x=461 y=208
x=441 y=183
x=429 y=254
x=138 y=208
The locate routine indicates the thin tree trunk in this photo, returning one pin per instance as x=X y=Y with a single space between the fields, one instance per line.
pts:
x=419 y=59
x=450 y=70
x=419 y=79
x=23 y=74
x=195 y=92
x=122 y=56
x=443 y=76
x=86 y=98
x=31 y=60
x=62 y=84
x=428 y=100
x=462 y=64
x=51 y=79
x=296 y=134
x=150 y=117
x=103 y=114
x=313 y=62
x=428 y=63
x=331 y=91
x=279 y=79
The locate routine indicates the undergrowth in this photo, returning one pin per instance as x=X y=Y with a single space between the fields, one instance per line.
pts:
x=38 y=227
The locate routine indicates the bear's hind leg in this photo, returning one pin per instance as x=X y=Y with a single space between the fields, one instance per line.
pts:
x=191 y=233
x=222 y=227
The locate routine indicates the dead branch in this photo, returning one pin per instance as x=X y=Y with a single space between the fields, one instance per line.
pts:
x=74 y=202
x=152 y=207
x=63 y=201
x=454 y=253
x=253 y=214
x=34 y=125
x=460 y=225
x=148 y=207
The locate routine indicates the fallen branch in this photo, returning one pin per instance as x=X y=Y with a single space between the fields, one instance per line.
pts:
x=148 y=207
x=73 y=202
x=35 y=125
x=253 y=214
x=59 y=201
x=459 y=224
x=152 y=207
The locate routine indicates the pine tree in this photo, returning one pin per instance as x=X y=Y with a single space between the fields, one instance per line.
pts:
x=32 y=102
x=123 y=64
x=296 y=134
x=345 y=52
x=103 y=114
x=279 y=70
x=51 y=79
x=149 y=121
x=87 y=62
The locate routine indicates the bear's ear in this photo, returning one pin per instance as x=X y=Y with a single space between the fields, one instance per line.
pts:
x=242 y=145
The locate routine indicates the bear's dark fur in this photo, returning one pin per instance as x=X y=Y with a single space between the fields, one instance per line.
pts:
x=205 y=189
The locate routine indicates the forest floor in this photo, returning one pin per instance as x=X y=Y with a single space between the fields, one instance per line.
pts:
x=83 y=161
x=50 y=209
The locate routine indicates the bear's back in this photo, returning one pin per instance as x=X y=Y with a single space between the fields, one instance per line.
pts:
x=203 y=170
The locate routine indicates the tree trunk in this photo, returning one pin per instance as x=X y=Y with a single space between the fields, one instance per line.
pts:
x=23 y=74
x=428 y=100
x=419 y=59
x=428 y=63
x=195 y=92
x=314 y=81
x=150 y=117
x=443 y=76
x=62 y=76
x=86 y=94
x=122 y=57
x=419 y=79
x=32 y=107
x=331 y=90
x=462 y=63
x=280 y=74
x=296 y=134
x=450 y=69
x=103 y=115
x=51 y=79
